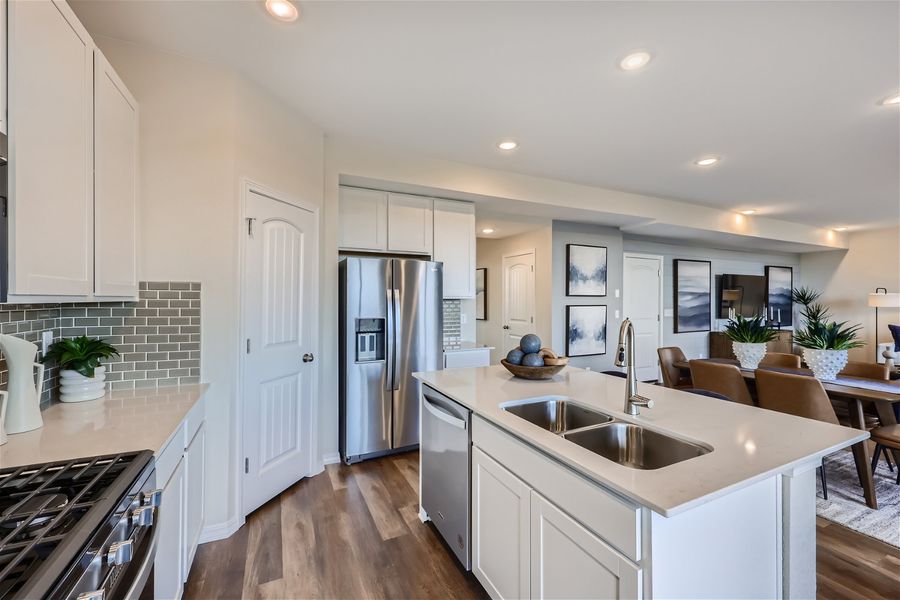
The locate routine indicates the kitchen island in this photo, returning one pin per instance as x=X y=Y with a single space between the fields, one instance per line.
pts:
x=553 y=518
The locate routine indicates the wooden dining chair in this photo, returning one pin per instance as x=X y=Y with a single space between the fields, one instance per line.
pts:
x=707 y=393
x=781 y=359
x=720 y=378
x=886 y=437
x=798 y=395
x=866 y=370
x=673 y=377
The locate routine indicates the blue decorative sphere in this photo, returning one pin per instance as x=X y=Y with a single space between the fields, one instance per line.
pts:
x=533 y=360
x=515 y=356
x=530 y=344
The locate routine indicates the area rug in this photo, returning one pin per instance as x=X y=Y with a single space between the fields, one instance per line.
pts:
x=846 y=505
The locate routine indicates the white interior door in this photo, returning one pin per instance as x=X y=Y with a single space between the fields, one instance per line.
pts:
x=642 y=301
x=280 y=316
x=518 y=298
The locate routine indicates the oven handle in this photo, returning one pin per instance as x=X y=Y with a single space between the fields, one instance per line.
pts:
x=137 y=586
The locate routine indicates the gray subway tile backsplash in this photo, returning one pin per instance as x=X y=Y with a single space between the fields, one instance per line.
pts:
x=452 y=324
x=158 y=336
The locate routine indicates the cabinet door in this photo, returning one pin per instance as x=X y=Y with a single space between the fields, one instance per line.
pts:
x=115 y=183
x=410 y=223
x=3 y=66
x=51 y=216
x=569 y=562
x=194 y=496
x=168 y=574
x=500 y=529
x=362 y=219
x=454 y=245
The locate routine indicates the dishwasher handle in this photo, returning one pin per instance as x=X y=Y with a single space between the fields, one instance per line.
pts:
x=439 y=413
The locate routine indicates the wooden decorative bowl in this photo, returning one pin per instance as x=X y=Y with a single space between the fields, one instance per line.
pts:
x=535 y=373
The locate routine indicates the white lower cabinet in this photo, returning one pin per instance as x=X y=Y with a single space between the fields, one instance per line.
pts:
x=501 y=517
x=568 y=561
x=168 y=572
x=195 y=455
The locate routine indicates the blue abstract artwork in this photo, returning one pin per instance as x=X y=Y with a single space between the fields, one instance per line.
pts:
x=780 y=282
x=693 y=284
x=585 y=330
x=586 y=270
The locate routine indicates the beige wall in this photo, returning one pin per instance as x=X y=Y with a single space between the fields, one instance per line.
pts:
x=847 y=277
x=489 y=254
x=203 y=129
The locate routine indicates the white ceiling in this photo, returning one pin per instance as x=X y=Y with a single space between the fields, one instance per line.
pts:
x=785 y=92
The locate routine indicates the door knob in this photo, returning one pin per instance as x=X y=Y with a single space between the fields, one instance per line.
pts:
x=308 y=357
x=506 y=327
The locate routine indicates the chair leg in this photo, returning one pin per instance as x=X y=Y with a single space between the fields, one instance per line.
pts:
x=890 y=461
x=824 y=482
x=876 y=455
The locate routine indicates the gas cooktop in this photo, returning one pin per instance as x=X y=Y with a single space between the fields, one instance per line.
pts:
x=53 y=515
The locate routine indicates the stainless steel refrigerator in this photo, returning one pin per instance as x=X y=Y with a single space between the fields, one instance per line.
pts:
x=391 y=325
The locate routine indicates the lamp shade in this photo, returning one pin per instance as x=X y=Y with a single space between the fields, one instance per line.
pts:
x=891 y=300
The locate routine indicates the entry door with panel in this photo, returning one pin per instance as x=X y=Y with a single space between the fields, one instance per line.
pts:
x=518 y=298
x=642 y=302
x=280 y=317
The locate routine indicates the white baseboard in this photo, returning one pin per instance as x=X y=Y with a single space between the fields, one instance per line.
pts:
x=331 y=459
x=220 y=531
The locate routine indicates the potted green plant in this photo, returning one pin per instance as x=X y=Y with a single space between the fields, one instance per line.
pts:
x=825 y=342
x=749 y=337
x=81 y=375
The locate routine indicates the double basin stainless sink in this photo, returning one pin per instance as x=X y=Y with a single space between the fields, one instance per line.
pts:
x=624 y=443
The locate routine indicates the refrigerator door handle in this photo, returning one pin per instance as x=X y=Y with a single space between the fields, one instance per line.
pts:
x=390 y=340
x=395 y=376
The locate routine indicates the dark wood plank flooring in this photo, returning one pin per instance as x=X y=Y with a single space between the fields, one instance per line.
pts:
x=354 y=532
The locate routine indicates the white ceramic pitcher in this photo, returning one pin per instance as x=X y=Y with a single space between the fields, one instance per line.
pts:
x=23 y=411
x=4 y=402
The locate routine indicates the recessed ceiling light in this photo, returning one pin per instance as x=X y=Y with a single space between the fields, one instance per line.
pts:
x=706 y=161
x=283 y=10
x=508 y=145
x=487 y=230
x=751 y=211
x=840 y=229
x=891 y=100
x=635 y=60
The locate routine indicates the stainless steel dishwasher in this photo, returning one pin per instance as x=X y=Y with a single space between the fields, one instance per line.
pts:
x=446 y=448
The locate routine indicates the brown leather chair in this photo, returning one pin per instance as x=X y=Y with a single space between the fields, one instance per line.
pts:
x=799 y=395
x=866 y=370
x=887 y=437
x=720 y=378
x=781 y=359
x=673 y=377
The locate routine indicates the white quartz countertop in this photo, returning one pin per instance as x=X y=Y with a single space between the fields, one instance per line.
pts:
x=121 y=421
x=466 y=347
x=749 y=443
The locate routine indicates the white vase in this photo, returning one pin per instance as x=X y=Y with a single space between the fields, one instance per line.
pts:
x=75 y=387
x=749 y=354
x=25 y=386
x=825 y=364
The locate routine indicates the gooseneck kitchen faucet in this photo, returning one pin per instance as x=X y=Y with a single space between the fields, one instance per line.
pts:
x=625 y=358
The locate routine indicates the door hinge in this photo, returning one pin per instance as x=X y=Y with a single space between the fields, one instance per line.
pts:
x=246 y=465
x=532 y=319
x=248 y=345
x=250 y=226
x=532 y=268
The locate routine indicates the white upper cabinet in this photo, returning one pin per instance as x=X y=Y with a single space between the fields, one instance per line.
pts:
x=363 y=219
x=51 y=208
x=115 y=183
x=454 y=245
x=2 y=66
x=410 y=224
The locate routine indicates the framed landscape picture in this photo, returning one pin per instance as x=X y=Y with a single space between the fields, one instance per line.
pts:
x=693 y=303
x=779 y=284
x=585 y=270
x=481 y=294
x=585 y=330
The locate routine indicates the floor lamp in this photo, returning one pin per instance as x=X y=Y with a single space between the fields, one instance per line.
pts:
x=882 y=299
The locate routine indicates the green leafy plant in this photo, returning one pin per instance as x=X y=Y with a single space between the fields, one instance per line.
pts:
x=820 y=335
x=81 y=354
x=804 y=295
x=749 y=331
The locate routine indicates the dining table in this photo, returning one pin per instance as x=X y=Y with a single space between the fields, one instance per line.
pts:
x=884 y=395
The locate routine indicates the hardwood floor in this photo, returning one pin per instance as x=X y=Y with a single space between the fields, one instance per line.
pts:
x=354 y=532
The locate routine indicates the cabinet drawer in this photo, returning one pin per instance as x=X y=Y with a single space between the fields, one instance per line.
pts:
x=193 y=420
x=467 y=359
x=614 y=519
x=168 y=458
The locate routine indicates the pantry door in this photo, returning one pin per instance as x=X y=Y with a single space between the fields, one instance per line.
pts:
x=518 y=299
x=642 y=293
x=280 y=321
